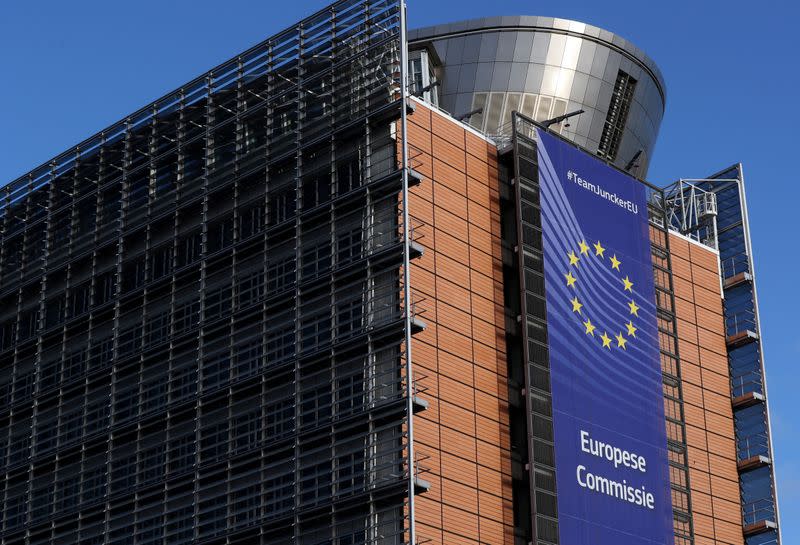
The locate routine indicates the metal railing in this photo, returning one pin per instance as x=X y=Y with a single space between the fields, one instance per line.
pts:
x=752 y=446
x=732 y=266
x=758 y=511
x=740 y=322
x=751 y=381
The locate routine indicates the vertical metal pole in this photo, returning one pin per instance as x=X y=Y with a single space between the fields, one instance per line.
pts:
x=412 y=533
x=751 y=263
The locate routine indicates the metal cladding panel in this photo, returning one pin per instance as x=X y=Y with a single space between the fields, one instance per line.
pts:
x=612 y=471
x=560 y=66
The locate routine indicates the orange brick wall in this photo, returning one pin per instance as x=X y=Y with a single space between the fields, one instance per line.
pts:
x=713 y=475
x=463 y=438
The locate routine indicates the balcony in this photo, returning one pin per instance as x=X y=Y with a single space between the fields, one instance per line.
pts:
x=758 y=516
x=747 y=388
x=752 y=452
x=740 y=329
x=735 y=267
x=737 y=279
x=747 y=399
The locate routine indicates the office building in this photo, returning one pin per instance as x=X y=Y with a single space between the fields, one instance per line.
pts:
x=297 y=301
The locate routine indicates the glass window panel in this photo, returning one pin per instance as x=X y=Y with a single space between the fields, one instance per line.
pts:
x=528 y=105
x=512 y=105
x=492 y=113
x=478 y=101
x=543 y=112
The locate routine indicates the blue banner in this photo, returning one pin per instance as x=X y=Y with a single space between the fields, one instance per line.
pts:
x=612 y=472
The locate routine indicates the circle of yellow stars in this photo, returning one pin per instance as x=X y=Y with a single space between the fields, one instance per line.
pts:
x=622 y=337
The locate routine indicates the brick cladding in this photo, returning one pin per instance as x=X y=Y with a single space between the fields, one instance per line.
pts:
x=713 y=476
x=463 y=438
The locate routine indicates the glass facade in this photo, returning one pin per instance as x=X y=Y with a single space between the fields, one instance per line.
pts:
x=201 y=328
x=713 y=212
x=748 y=388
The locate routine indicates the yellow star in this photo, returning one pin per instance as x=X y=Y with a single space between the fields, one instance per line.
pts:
x=584 y=247
x=570 y=279
x=628 y=283
x=598 y=249
x=573 y=259
x=621 y=341
x=631 y=329
x=576 y=306
x=606 y=340
x=615 y=262
x=589 y=327
x=634 y=308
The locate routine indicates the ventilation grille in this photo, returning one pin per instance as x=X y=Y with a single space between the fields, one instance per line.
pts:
x=617 y=115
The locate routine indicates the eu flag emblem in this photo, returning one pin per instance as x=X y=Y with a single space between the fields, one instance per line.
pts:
x=616 y=332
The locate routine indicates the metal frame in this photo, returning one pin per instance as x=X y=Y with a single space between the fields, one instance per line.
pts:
x=270 y=187
x=407 y=299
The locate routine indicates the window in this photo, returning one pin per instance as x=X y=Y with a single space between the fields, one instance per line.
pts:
x=348 y=244
x=138 y=191
x=166 y=175
x=67 y=493
x=216 y=370
x=86 y=217
x=130 y=340
x=246 y=504
x=350 y=471
x=315 y=403
x=157 y=328
x=280 y=417
x=248 y=357
x=348 y=173
x=182 y=453
x=94 y=484
x=220 y=234
x=617 y=115
x=280 y=344
x=218 y=303
x=187 y=316
x=349 y=387
x=280 y=272
x=123 y=474
x=282 y=205
x=152 y=464
x=7 y=334
x=251 y=288
x=349 y=313
x=278 y=496
x=189 y=248
x=162 y=261
x=316 y=189
x=28 y=324
x=105 y=285
x=247 y=429
x=133 y=274
x=316 y=330
x=315 y=483
x=422 y=76
x=213 y=441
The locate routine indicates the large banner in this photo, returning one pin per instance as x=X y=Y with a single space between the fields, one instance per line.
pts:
x=612 y=472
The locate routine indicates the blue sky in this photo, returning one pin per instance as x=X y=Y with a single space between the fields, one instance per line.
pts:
x=71 y=68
